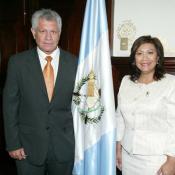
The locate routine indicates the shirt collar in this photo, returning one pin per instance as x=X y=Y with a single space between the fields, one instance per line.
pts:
x=55 y=54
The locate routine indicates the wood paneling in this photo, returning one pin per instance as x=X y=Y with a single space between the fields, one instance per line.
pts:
x=12 y=40
x=72 y=31
x=120 y=67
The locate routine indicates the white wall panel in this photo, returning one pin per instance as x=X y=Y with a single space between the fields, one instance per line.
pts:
x=133 y=18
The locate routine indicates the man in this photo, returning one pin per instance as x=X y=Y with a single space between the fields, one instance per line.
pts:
x=37 y=102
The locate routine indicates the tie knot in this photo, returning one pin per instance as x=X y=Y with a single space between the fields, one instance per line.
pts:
x=49 y=58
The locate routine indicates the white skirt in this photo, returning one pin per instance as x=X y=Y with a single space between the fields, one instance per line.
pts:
x=141 y=164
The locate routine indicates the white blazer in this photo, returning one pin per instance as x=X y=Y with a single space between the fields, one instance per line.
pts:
x=146 y=116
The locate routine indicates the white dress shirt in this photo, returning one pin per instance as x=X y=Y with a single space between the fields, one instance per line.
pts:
x=146 y=116
x=55 y=60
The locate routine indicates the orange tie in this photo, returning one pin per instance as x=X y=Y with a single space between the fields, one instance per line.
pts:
x=49 y=77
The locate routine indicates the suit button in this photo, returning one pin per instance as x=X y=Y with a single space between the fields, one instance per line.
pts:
x=47 y=128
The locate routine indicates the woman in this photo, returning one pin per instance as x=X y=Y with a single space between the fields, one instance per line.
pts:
x=146 y=113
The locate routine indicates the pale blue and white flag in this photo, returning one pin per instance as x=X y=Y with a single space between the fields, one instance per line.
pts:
x=93 y=101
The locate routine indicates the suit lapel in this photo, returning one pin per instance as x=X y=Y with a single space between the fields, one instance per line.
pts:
x=60 y=74
x=36 y=71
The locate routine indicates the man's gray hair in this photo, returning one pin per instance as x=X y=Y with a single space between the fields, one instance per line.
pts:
x=47 y=14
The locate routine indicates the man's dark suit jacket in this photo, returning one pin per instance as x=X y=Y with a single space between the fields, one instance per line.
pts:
x=32 y=122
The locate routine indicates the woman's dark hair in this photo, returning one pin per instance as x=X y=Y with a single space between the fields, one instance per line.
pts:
x=159 y=69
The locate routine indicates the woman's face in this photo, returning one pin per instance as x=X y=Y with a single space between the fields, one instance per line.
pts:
x=146 y=58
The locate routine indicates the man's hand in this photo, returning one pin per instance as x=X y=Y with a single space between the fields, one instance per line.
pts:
x=18 y=154
x=168 y=168
x=119 y=156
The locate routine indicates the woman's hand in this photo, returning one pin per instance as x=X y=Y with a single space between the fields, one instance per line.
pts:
x=168 y=168
x=119 y=156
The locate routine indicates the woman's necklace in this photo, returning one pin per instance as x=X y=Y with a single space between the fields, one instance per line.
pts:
x=145 y=85
x=147 y=93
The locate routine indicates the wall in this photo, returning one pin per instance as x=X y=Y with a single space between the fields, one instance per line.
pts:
x=133 y=18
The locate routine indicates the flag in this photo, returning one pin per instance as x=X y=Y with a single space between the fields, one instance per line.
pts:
x=93 y=100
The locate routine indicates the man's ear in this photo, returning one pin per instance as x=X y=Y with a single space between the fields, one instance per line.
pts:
x=33 y=32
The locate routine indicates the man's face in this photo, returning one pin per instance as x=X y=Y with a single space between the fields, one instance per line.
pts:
x=46 y=35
